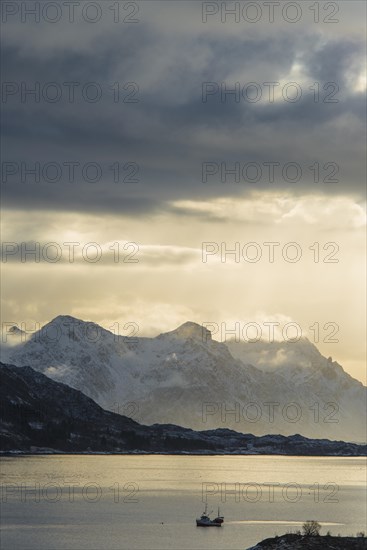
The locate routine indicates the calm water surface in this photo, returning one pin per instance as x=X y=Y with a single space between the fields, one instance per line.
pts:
x=151 y=502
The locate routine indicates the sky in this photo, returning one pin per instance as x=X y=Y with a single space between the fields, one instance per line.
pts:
x=176 y=162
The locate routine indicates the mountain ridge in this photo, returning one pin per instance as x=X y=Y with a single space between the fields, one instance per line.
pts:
x=39 y=415
x=184 y=376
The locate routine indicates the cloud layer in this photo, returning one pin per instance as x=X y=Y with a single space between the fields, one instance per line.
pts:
x=170 y=132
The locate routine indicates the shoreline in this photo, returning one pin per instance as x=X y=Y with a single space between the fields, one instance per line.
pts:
x=45 y=452
x=316 y=542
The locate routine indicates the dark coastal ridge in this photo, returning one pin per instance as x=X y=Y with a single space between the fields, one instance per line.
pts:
x=187 y=378
x=39 y=415
x=299 y=542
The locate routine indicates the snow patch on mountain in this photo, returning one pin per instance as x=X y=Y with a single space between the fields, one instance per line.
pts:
x=187 y=378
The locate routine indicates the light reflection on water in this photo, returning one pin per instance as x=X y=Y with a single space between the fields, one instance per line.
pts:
x=151 y=502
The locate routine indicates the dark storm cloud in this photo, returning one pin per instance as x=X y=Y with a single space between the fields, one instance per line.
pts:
x=332 y=60
x=169 y=133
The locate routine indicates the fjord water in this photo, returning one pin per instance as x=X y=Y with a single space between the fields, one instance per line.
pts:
x=151 y=502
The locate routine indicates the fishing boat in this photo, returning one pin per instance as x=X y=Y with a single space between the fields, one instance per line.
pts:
x=205 y=521
x=219 y=518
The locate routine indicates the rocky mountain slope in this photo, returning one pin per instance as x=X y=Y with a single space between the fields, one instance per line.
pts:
x=39 y=415
x=187 y=378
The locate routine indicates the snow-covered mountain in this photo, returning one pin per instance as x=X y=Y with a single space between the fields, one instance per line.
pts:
x=187 y=378
x=39 y=415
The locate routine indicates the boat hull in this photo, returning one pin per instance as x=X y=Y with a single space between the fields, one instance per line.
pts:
x=200 y=523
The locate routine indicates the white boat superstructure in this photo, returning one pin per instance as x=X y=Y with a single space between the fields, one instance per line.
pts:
x=205 y=521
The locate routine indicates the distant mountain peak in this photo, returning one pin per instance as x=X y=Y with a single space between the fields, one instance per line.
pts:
x=65 y=319
x=190 y=330
x=69 y=330
x=65 y=322
x=184 y=376
x=15 y=330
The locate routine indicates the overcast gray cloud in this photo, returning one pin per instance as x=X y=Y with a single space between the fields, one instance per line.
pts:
x=164 y=169
x=169 y=133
